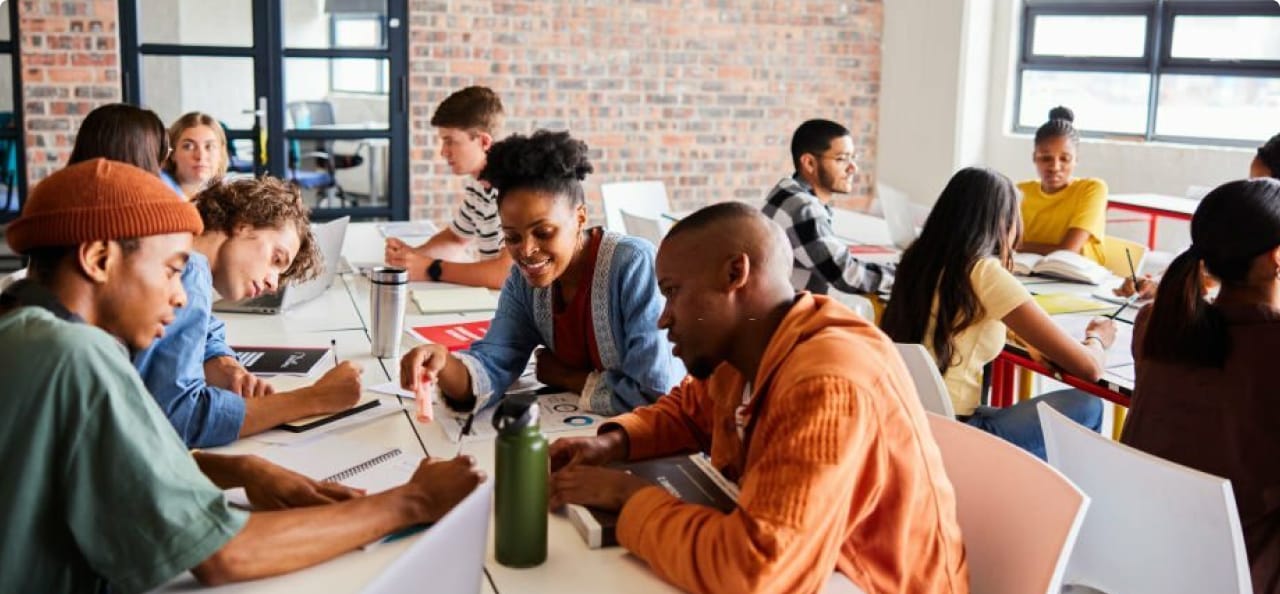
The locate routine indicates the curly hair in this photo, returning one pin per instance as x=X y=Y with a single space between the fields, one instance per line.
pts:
x=266 y=203
x=545 y=161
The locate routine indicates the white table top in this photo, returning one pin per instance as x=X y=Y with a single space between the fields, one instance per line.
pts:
x=570 y=567
x=1170 y=204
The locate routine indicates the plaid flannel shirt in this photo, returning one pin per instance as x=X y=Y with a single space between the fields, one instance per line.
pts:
x=822 y=261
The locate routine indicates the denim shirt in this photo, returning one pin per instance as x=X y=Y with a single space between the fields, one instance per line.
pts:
x=173 y=367
x=625 y=305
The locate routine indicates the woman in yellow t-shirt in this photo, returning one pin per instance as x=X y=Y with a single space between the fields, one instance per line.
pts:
x=1060 y=212
x=957 y=272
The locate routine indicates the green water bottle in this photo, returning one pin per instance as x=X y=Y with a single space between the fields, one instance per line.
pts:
x=520 y=490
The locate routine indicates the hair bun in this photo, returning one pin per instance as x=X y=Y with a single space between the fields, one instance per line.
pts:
x=1062 y=113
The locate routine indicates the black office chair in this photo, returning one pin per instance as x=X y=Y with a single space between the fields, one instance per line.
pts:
x=323 y=177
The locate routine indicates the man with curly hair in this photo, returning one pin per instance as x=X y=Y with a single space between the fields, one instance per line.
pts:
x=256 y=238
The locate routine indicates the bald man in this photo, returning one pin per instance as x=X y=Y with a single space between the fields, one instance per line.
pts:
x=807 y=407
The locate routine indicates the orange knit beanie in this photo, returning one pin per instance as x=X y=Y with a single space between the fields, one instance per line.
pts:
x=99 y=199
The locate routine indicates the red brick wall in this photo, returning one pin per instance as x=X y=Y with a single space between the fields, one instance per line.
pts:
x=697 y=95
x=70 y=64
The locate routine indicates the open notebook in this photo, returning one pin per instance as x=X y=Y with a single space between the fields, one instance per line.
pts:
x=1061 y=264
x=358 y=464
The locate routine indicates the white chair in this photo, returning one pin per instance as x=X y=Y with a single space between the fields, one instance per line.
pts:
x=900 y=215
x=859 y=304
x=1154 y=526
x=1018 y=515
x=929 y=384
x=643 y=198
x=643 y=227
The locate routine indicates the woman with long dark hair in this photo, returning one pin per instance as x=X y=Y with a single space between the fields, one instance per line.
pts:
x=1207 y=394
x=955 y=295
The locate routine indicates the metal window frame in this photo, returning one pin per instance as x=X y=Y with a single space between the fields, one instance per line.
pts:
x=1157 y=57
x=18 y=134
x=270 y=55
x=384 y=80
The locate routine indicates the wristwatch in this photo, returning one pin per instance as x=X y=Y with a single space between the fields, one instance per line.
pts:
x=434 y=270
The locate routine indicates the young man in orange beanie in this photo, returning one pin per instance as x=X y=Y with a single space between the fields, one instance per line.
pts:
x=803 y=403
x=100 y=490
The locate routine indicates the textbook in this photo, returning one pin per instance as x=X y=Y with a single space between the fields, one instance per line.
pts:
x=452 y=300
x=267 y=361
x=454 y=337
x=1061 y=264
x=689 y=477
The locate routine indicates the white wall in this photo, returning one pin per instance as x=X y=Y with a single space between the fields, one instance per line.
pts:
x=919 y=95
x=944 y=62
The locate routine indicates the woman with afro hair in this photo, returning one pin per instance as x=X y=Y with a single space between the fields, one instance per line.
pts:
x=585 y=300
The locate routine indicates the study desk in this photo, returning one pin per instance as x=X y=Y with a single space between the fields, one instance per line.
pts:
x=352 y=571
x=1156 y=206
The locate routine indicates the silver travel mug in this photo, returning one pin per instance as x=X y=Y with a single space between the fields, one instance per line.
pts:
x=386 y=304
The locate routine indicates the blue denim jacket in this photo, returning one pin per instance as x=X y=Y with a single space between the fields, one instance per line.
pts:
x=625 y=305
x=173 y=367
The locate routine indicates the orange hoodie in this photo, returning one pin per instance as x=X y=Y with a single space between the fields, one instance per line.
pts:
x=840 y=471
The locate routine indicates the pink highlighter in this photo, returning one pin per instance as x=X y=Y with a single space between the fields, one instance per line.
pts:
x=422 y=396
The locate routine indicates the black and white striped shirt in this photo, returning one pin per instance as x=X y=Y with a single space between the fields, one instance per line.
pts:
x=477 y=219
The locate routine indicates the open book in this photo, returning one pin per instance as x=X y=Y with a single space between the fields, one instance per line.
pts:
x=689 y=477
x=1060 y=264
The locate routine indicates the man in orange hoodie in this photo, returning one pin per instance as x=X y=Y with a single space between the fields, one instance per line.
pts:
x=805 y=405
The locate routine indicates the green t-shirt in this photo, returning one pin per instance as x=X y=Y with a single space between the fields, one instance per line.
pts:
x=98 y=487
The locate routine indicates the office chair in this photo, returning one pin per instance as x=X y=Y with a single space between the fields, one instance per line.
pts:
x=309 y=115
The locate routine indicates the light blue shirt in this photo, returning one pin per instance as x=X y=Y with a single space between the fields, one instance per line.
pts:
x=173 y=367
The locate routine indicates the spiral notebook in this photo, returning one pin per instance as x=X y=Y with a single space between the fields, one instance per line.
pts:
x=347 y=461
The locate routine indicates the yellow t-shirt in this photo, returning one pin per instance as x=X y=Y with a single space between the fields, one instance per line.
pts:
x=999 y=293
x=1081 y=205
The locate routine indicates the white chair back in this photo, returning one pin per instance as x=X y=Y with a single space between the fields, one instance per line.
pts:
x=1019 y=516
x=644 y=198
x=1154 y=526
x=643 y=227
x=929 y=384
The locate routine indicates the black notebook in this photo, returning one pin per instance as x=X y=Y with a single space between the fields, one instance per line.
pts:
x=279 y=360
x=691 y=478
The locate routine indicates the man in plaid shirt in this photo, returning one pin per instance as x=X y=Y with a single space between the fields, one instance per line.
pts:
x=823 y=154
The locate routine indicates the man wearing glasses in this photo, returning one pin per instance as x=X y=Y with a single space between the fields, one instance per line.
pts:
x=823 y=154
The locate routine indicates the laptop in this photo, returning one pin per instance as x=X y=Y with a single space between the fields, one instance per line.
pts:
x=449 y=557
x=898 y=215
x=329 y=237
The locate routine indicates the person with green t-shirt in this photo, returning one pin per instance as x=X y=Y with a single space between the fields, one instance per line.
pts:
x=100 y=491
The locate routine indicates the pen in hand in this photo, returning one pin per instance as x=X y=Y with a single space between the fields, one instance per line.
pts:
x=1133 y=274
x=333 y=342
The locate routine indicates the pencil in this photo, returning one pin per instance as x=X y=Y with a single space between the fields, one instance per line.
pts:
x=1133 y=274
x=1127 y=303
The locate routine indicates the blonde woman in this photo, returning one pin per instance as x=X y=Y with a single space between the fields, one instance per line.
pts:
x=199 y=152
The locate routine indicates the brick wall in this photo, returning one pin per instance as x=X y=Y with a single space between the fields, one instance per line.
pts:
x=698 y=95
x=70 y=64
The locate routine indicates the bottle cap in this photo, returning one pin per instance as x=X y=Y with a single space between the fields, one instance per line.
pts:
x=516 y=413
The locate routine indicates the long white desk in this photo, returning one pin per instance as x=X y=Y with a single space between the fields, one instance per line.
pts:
x=350 y=572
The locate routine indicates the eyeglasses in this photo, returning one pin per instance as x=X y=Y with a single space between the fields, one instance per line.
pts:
x=844 y=159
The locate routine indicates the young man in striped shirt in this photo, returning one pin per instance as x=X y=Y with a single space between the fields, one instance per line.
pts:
x=467 y=122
